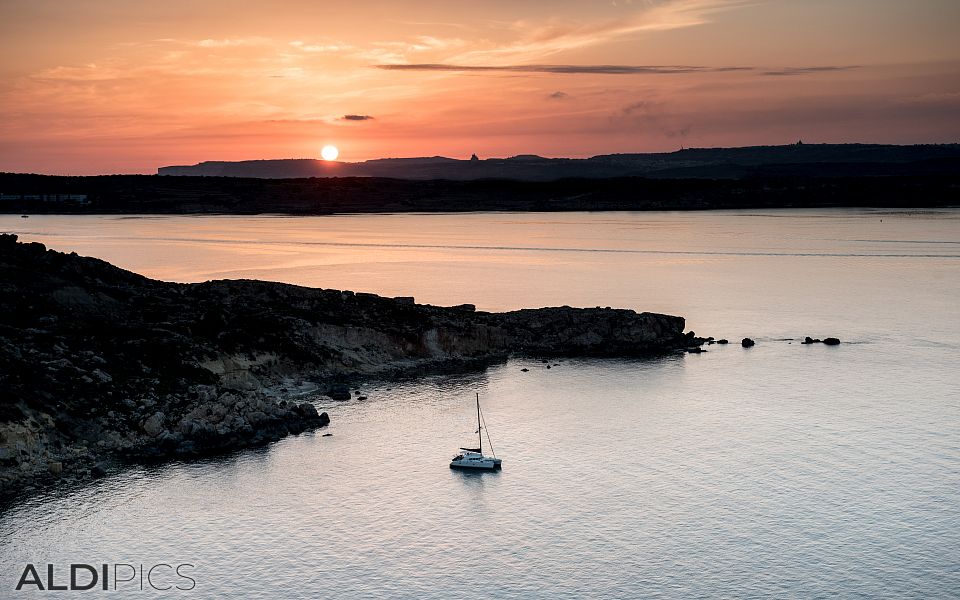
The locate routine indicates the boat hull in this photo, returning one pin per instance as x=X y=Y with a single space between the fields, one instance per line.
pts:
x=476 y=465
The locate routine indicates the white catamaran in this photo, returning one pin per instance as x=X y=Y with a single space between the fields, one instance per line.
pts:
x=473 y=458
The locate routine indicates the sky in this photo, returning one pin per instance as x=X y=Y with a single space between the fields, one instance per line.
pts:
x=114 y=86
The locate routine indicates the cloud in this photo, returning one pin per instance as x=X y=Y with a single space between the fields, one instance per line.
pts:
x=227 y=43
x=651 y=117
x=558 y=95
x=610 y=69
x=83 y=74
x=536 y=41
x=931 y=99
x=398 y=52
x=321 y=48
x=808 y=70
x=564 y=69
x=356 y=118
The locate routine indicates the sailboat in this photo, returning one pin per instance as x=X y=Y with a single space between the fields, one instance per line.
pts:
x=473 y=458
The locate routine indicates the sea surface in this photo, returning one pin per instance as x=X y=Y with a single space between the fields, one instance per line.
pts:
x=783 y=470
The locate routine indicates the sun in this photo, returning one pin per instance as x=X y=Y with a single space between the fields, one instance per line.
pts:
x=329 y=152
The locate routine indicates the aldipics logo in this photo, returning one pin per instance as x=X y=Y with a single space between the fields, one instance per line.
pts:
x=110 y=577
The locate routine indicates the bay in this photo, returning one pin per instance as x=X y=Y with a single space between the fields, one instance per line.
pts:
x=782 y=470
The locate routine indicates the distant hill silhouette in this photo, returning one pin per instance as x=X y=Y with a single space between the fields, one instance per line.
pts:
x=795 y=160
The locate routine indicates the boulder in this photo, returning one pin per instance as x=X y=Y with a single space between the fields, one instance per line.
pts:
x=831 y=341
x=255 y=416
x=306 y=410
x=101 y=376
x=723 y=341
x=747 y=343
x=153 y=425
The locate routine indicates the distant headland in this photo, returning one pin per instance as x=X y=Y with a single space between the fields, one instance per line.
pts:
x=692 y=163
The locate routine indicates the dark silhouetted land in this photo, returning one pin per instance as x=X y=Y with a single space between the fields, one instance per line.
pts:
x=813 y=160
x=797 y=176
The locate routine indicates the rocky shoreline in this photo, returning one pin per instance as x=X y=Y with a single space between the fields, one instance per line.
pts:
x=99 y=365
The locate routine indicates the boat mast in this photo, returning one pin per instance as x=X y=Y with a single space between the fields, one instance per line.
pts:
x=479 y=424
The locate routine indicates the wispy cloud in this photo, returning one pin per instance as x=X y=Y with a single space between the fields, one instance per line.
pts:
x=321 y=47
x=87 y=73
x=565 y=69
x=613 y=69
x=400 y=51
x=356 y=118
x=651 y=116
x=808 y=70
x=537 y=41
x=932 y=99
x=558 y=95
x=231 y=42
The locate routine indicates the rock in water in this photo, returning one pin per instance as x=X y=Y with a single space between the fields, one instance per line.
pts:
x=308 y=410
x=831 y=341
x=747 y=343
x=339 y=392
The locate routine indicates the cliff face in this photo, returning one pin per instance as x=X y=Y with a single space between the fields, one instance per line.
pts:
x=98 y=363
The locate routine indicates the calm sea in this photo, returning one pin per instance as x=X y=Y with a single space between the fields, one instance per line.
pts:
x=780 y=471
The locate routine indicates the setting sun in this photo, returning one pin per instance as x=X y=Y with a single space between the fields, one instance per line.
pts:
x=329 y=153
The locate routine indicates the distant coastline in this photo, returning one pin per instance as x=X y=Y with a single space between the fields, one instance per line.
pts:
x=766 y=177
x=793 y=160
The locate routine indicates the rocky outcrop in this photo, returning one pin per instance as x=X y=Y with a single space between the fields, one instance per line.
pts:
x=98 y=364
x=830 y=341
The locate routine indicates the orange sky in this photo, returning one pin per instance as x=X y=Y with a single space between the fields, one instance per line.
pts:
x=111 y=86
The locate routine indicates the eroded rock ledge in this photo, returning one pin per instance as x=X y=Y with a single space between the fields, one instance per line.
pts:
x=98 y=364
